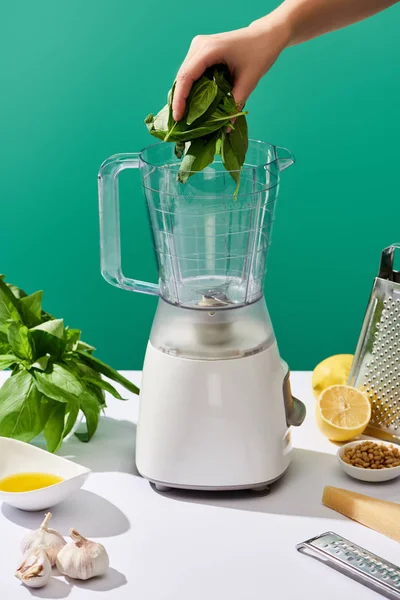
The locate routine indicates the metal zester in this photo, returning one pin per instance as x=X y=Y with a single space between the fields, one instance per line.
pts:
x=376 y=365
x=356 y=562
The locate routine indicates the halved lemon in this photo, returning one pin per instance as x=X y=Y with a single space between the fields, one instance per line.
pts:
x=343 y=412
x=334 y=370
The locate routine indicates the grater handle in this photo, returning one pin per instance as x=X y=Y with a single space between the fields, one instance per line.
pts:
x=386 y=270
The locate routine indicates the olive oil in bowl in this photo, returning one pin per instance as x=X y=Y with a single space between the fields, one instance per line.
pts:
x=27 y=482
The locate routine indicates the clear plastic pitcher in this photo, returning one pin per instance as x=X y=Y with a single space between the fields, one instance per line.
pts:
x=210 y=248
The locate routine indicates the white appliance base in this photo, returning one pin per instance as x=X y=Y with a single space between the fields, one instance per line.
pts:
x=162 y=486
x=213 y=425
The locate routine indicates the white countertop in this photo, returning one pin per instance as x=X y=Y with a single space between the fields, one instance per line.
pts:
x=199 y=546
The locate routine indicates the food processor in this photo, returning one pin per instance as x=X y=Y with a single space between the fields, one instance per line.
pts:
x=215 y=402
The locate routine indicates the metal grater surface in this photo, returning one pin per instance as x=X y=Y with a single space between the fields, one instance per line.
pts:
x=382 y=373
x=376 y=365
x=356 y=562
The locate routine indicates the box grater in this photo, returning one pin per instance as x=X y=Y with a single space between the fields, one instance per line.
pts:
x=376 y=365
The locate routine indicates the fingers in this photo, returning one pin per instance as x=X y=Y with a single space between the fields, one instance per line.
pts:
x=201 y=55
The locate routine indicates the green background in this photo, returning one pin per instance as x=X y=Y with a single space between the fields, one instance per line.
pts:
x=77 y=79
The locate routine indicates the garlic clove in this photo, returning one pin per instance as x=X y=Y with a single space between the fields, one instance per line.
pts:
x=50 y=539
x=35 y=569
x=82 y=558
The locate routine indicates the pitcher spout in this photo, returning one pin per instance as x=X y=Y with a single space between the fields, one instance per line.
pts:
x=284 y=158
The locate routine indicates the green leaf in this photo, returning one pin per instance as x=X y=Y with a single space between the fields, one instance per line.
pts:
x=59 y=384
x=210 y=109
x=199 y=155
x=63 y=385
x=99 y=393
x=109 y=372
x=9 y=311
x=20 y=408
x=179 y=149
x=230 y=160
x=170 y=99
x=71 y=337
x=98 y=382
x=85 y=347
x=41 y=363
x=239 y=140
x=54 y=428
x=31 y=309
x=21 y=341
x=48 y=338
x=84 y=371
x=6 y=360
x=17 y=292
x=91 y=409
x=200 y=98
x=55 y=327
x=223 y=78
x=72 y=411
x=5 y=347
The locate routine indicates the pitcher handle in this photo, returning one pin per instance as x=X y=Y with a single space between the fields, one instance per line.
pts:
x=110 y=230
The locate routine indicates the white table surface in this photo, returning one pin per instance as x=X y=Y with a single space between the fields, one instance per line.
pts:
x=199 y=546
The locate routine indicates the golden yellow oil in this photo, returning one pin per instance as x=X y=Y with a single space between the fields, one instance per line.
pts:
x=26 y=482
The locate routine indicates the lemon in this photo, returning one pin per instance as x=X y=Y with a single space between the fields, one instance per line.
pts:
x=334 y=370
x=343 y=412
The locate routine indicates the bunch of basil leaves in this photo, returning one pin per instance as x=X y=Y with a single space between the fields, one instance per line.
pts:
x=54 y=374
x=202 y=132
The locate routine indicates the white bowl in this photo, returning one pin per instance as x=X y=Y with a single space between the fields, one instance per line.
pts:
x=19 y=457
x=371 y=475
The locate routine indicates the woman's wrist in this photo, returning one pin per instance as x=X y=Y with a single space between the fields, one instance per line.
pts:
x=274 y=28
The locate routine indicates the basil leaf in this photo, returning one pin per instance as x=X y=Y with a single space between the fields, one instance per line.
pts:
x=170 y=99
x=31 y=309
x=179 y=149
x=230 y=160
x=21 y=341
x=54 y=428
x=59 y=384
x=48 y=338
x=91 y=409
x=199 y=155
x=95 y=381
x=55 y=327
x=8 y=307
x=85 y=347
x=71 y=337
x=201 y=96
x=20 y=408
x=72 y=411
x=6 y=360
x=5 y=347
x=109 y=372
x=223 y=79
x=41 y=363
x=210 y=109
x=16 y=291
x=158 y=122
x=238 y=139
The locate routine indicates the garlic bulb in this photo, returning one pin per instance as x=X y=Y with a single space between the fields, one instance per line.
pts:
x=35 y=569
x=49 y=539
x=81 y=558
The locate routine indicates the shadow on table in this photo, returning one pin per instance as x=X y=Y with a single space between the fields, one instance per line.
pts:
x=297 y=493
x=87 y=512
x=111 y=449
x=61 y=588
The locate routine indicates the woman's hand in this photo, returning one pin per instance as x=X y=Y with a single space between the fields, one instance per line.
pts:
x=248 y=53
